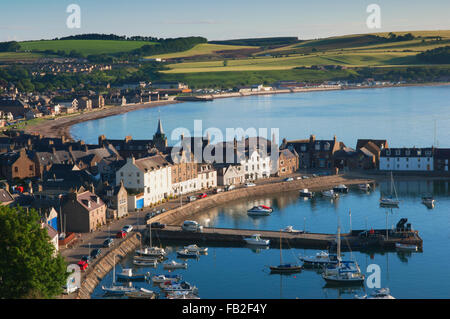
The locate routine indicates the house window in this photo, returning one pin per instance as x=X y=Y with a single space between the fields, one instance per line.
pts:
x=407 y=152
x=388 y=152
x=303 y=148
x=397 y=152
x=419 y=153
x=317 y=147
x=16 y=169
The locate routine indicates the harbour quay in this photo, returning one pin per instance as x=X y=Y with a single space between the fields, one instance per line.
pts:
x=355 y=240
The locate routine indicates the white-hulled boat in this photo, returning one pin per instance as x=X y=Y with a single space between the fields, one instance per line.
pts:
x=389 y=201
x=408 y=247
x=148 y=263
x=340 y=189
x=260 y=210
x=151 y=252
x=148 y=258
x=200 y=250
x=256 y=239
x=290 y=229
x=174 y=265
x=142 y=293
x=306 y=193
x=181 y=295
x=364 y=187
x=321 y=258
x=118 y=290
x=382 y=293
x=428 y=201
x=127 y=274
x=330 y=193
x=164 y=278
x=170 y=287
x=184 y=253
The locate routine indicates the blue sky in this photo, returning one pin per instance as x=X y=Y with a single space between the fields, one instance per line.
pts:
x=216 y=20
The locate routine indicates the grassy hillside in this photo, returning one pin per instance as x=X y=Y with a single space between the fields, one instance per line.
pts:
x=85 y=47
x=201 y=49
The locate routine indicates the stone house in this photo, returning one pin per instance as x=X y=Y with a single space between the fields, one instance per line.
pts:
x=207 y=176
x=17 y=165
x=229 y=174
x=288 y=162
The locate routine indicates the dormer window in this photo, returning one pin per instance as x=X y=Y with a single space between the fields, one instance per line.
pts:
x=318 y=147
x=428 y=153
x=397 y=152
x=327 y=146
x=303 y=148
x=419 y=153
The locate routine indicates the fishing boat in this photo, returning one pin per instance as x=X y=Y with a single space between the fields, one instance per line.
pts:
x=200 y=250
x=148 y=263
x=127 y=274
x=142 y=293
x=174 y=265
x=184 y=253
x=340 y=189
x=256 y=239
x=382 y=293
x=147 y=258
x=347 y=265
x=151 y=252
x=114 y=289
x=342 y=274
x=408 y=247
x=364 y=187
x=321 y=258
x=330 y=193
x=284 y=267
x=163 y=278
x=306 y=193
x=260 y=210
x=390 y=201
x=181 y=295
x=170 y=287
x=428 y=201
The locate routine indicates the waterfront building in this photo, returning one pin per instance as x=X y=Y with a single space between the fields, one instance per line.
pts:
x=148 y=180
x=229 y=174
x=288 y=162
x=207 y=176
x=441 y=159
x=115 y=198
x=407 y=159
x=184 y=173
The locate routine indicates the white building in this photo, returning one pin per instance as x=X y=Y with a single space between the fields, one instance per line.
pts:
x=256 y=164
x=407 y=159
x=148 y=180
x=207 y=176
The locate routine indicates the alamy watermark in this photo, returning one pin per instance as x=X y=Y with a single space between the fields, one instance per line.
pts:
x=374 y=19
x=74 y=19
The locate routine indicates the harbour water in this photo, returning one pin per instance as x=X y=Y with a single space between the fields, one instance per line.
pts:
x=241 y=272
x=405 y=116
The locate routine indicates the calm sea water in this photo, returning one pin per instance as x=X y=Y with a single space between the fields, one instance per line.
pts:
x=241 y=272
x=405 y=116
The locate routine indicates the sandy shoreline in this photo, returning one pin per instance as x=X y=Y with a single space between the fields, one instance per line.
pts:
x=61 y=126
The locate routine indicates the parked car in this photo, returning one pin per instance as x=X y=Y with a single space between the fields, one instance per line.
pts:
x=157 y=225
x=157 y=212
x=127 y=228
x=305 y=177
x=192 y=198
x=288 y=179
x=108 y=243
x=250 y=184
x=299 y=177
x=148 y=216
x=121 y=234
x=191 y=225
x=202 y=195
x=163 y=210
x=82 y=264
x=218 y=190
x=230 y=188
x=96 y=253
x=86 y=258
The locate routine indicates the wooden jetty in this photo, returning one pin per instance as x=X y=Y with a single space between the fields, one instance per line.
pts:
x=356 y=240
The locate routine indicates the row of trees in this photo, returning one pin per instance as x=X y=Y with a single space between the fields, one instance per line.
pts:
x=436 y=56
x=10 y=46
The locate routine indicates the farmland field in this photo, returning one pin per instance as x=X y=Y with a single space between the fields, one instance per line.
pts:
x=16 y=56
x=201 y=49
x=85 y=47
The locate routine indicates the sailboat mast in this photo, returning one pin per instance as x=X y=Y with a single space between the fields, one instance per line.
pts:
x=281 y=260
x=339 y=245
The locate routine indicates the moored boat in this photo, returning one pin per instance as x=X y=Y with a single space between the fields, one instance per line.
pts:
x=306 y=193
x=148 y=263
x=142 y=293
x=382 y=293
x=260 y=210
x=164 y=278
x=118 y=290
x=200 y=250
x=185 y=253
x=290 y=229
x=256 y=239
x=340 y=189
x=321 y=258
x=171 y=287
x=151 y=252
x=330 y=193
x=181 y=295
x=408 y=247
x=174 y=265
x=428 y=201
x=364 y=187
x=127 y=274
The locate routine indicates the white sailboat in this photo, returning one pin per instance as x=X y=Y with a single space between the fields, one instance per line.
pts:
x=389 y=201
x=116 y=289
x=151 y=251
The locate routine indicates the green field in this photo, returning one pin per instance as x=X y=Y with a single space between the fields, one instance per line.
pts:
x=85 y=47
x=19 y=56
x=201 y=49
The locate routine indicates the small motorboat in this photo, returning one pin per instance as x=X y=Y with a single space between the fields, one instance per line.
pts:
x=151 y=251
x=184 y=253
x=364 y=187
x=147 y=258
x=346 y=265
x=174 y=265
x=306 y=193
x=181 y=295
x=256 y=239
x=285 y=268
x=118 y=290
x=147 y=263
x=164 y=278
x=428 y=201
x=408 y=247
x=127 y=274
x=389 y=202
x=382 y=293
x=321 y=258
x=170 y=287
x=260 y=210
x=200 y=250
x=340 y=189
x=330 y=193
x=290 y=229
x=142 y=293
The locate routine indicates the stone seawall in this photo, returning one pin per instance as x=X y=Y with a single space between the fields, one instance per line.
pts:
x=180 y=214
x=105 y=264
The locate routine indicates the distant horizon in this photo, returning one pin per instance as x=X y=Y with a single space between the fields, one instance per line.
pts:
x=24 y=20
x=231 y=39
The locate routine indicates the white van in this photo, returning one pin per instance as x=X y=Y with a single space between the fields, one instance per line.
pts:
x=191 y=225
